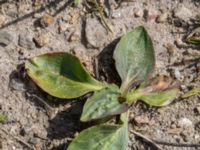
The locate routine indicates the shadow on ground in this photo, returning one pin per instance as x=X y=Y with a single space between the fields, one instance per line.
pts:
x=105 y=69
x=51 y=4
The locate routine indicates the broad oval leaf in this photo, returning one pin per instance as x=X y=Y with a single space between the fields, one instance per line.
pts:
x=160 y=98
x=134 y=57
x=61 y=75
x=103 y=103
x=101 y=137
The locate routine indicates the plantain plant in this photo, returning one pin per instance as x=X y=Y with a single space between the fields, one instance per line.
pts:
x=62 y=75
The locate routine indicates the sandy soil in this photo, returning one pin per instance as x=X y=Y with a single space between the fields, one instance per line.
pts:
x=38 y=121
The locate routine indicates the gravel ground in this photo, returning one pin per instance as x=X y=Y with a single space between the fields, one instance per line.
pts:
x=38 y=121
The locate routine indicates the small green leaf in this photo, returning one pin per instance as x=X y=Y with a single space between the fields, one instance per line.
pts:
x=194 y=41
x=77 y=2
x=103 y=103
x=134 y=57
x=135 y=94
x=161 y=98
x=61 y=75
x=194 y=37
x=2 y=117
x=101 y=137
x=192 y=92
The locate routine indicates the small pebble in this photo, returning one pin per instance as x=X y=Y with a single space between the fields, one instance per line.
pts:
x=185 y=123
x=151 y=14
x=96 y=34
x=162 y=18
x=37 y=15
x=182 y=12
x=62 y=27
x=116 y=14
x=177 y=74
x=5 y=38
x=197 y=126
x=2 y=20
x=41 y=40
x=197 y=110
x=16 y=84
x=26 y=42
x=33 y=140
x=74 y=37
x=141 y=120
x=170 y=48
x=138 y=13
x=46 y=20
x=184 y=136
x=196 y=136
x=180 y=43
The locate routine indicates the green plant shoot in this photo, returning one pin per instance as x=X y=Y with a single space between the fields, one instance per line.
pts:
x=62 y=75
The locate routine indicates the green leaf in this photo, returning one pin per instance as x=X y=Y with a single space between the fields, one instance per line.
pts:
x=2 y=117
x=161 y=98
x=194 y=41
x=61 y=75
x=194 y=37
x=103 y=103
x=77 y=2
x=192 y=92
x=134 y=57
x=101 y=137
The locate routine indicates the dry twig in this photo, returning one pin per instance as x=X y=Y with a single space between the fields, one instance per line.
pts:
x=147 y=139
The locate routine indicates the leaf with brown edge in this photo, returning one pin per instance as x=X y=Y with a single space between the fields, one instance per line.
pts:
x=61 y=75
x=160 y=91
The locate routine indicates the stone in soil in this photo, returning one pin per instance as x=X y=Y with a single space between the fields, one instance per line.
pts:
x=63 y=27
x=2 y=20
x=46 y=20
x=162 y=18
x=197 y=110
x=5 y=38
x=185 y=123
x=138 y=13
x=41 y=40
x=74 y=37
x=16 y=84
x=95 y=33
x=116 y=14
x=182 y=13
x=151 y=14
x=141 y=120
x=26 y=41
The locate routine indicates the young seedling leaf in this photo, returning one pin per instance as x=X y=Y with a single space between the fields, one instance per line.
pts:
x=61 y=75
x=77 y=2
x=101 y=137
x=134 y=57
x=193 y=41
x=103 y=103
x=192 y=92
x=2 y=117
x=194 y=37
x=135 y=94
x=160 y=98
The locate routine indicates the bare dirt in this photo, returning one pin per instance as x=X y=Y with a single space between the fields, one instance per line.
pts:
x=38 y=121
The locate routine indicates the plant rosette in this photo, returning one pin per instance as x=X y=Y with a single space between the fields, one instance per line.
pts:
x=62 y=75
